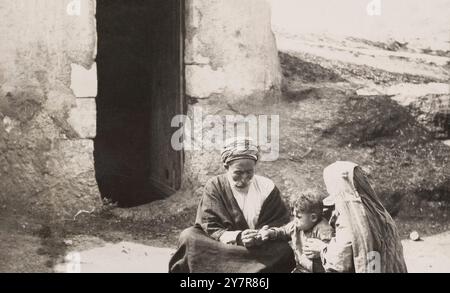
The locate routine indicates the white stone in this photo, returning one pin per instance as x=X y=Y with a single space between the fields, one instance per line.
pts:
x=9 y=124
x=84 y=81
x=414 y=236
x=83 y=118
x=203 y=81
x=68 y=242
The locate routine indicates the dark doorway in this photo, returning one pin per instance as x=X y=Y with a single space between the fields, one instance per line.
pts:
x=140 y=81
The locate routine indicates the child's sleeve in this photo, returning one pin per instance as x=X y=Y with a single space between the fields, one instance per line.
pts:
x=283 y=233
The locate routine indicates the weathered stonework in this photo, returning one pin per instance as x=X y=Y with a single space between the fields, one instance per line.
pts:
x=45 y=162
x=230 y=49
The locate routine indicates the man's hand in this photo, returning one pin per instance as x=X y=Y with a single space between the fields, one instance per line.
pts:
x=248 y=237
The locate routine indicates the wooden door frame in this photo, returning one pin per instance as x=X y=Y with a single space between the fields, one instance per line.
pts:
x=181 y=106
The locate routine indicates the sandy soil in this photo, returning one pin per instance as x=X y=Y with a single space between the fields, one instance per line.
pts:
x=429 y=255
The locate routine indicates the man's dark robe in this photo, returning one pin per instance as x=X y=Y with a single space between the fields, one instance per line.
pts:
x=201 y=251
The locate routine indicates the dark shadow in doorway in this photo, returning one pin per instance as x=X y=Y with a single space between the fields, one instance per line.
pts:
x=131 y=63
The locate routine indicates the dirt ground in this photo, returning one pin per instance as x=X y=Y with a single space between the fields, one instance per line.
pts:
x=128 y=257
x=338 y=104
x=121 y=247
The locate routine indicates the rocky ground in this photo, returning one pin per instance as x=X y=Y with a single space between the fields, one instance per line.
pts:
x=382 y=105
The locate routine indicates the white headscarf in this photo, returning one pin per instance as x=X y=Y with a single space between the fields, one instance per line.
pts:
x=373 y=235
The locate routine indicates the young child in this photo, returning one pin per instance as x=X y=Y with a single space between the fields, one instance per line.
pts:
x=309 y=222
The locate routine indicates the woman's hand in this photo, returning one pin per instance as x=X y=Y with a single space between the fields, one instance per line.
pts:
x=313 y=248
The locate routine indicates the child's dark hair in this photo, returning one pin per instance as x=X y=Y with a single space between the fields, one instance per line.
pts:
x=307 y=201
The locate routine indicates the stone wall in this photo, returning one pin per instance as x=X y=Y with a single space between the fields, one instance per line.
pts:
x=47 y=110
x=230 y=49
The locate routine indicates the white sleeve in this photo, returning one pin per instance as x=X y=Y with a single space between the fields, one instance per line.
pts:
x=337 y=256
x=229 y=237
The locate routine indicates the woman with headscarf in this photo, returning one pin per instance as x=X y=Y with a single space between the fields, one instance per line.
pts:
x=366 y=238
x=234 y=207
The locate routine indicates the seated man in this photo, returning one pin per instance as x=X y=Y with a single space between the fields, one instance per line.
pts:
x=234 y=207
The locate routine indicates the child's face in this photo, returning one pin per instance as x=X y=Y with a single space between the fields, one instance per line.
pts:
x=305 y=221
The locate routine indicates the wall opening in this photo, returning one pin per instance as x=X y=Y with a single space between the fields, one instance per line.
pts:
x=140 y=90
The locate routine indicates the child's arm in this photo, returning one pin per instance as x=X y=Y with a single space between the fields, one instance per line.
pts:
x=277 y=233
